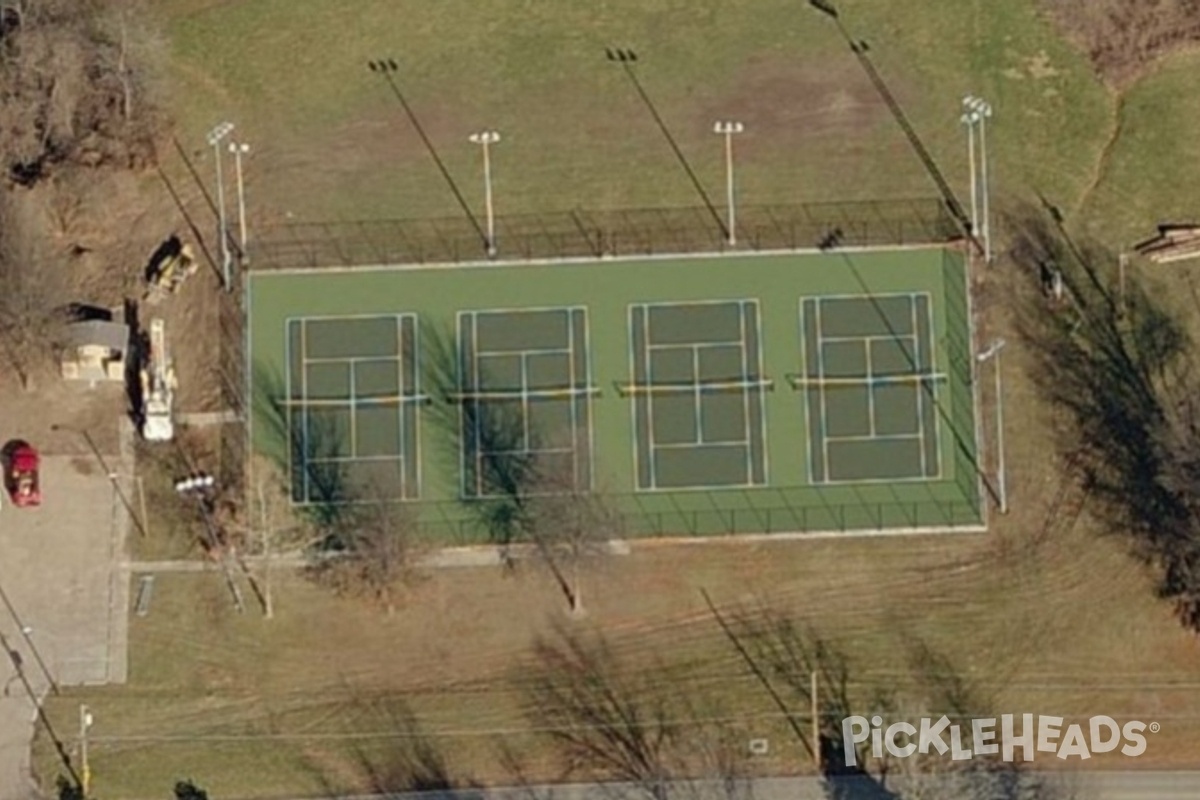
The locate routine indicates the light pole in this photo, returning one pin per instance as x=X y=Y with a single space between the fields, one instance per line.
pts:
x=486 y=139
x=983 y=110
x=214 y=138
x=728 y=129
x=239 y=149
x=85 y=770
x=970 y=118
x=993 y=353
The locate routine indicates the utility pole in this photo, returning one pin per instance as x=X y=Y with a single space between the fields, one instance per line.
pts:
x=85 y=769
x=486 y=139
x=239 y=149
x=728 y=129
x=214 y=139
x=993 y=353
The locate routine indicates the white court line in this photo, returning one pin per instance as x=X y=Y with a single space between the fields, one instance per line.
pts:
x=870 y=389
x=352 y=459
x=574 y=402
x=933 y=389
x=762 y=402
x=804 y=407
x=745 y=394
x=920 y=389
x=476 y=382
x=353 y=416
x=821 y=391
x=888 y=338
x=632 y=310
x=290 y=438
x=537 y=351
x=698 y=432
x=304 y=451
x=650 y=398
x=591 y=413
x=415 y=352
x=682 y=345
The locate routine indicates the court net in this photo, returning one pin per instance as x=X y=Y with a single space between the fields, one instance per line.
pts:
x=799 y=382
x=703 y=387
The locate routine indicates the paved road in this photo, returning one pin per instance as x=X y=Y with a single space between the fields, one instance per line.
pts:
x=1147 y=785
x=58 y=570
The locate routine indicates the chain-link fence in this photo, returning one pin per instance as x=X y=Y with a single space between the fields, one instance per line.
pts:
x=597 y=234
x=232 y=371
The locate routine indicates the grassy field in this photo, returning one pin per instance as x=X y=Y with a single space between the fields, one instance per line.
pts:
x=1046 y=615
x=332 y=143
x=251 y=708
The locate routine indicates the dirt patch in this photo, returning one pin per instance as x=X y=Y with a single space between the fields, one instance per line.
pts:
x=797 y=102
x=1123 y=38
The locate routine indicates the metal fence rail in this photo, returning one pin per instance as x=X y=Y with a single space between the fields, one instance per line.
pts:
x=596 y=234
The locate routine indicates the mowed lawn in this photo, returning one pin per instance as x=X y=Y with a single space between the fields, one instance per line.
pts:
x=332 y=143
x=255 y=708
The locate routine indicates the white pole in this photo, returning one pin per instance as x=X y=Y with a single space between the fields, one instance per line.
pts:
x=729 y=186
x=486 y=139
x=728 y=129
x=969 y=120
x=238 y=150
x=225 y=257
x=214 y=138
x=487 y=197
x=987 y=226
x=1001 y=480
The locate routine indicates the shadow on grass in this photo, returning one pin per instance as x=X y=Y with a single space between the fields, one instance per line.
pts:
x=1122 y=368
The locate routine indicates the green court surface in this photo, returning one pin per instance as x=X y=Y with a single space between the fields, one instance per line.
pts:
x=756 y=393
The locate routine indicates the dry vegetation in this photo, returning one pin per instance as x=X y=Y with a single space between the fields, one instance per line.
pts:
x=1124 y=37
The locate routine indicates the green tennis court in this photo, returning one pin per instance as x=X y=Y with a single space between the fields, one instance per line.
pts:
x=708 y=395
x=870 y=388
x=697 y=391
x=353 y=393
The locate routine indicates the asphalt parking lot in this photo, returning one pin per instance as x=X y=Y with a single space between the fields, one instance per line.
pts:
x=67 y=593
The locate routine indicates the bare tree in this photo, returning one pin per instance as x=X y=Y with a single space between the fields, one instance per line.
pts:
x=78 y=77
x=35 y=294
x=569 y=526
x=629 y=723
x=529 y=489
x=1121 y=369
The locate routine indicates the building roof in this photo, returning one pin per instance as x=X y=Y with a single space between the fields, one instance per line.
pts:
x=99 y=332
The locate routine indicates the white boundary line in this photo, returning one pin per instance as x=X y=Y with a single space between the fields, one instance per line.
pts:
x=745 y=394
x=870 y=390
x=912 y=296
x=632 y=311
x=416 y=414
x=589 y=380
x=821 y=393
x=920 y=389
x=933 y=388
x=762 y=401
x=805 y=411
